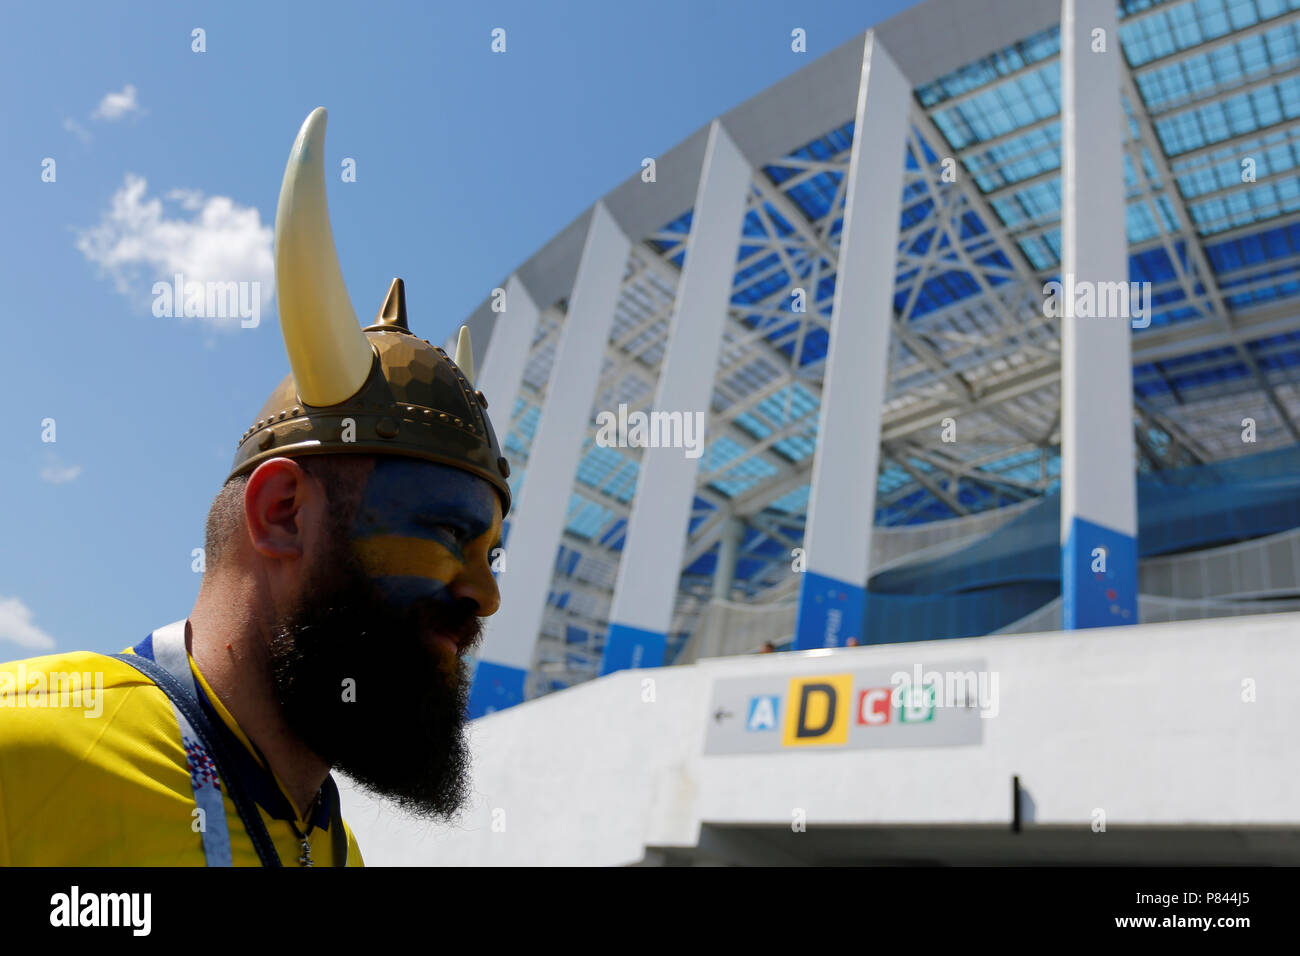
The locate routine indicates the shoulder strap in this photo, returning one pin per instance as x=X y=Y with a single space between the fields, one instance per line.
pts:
x=202 y=745
x=170 y=653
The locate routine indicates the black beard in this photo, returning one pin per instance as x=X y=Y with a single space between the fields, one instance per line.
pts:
x=359 y=686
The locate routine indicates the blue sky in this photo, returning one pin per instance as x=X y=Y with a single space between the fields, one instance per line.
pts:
x=467 y=161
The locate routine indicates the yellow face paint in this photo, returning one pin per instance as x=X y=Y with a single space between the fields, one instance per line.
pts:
x=391 y=555
x=422 y=527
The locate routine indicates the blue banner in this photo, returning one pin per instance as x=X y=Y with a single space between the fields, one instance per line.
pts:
x=1099 y=577
x=830 y=612
x=495 y=687
x=628 y=648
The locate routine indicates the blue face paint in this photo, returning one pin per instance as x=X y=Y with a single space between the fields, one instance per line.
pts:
x=419 y=525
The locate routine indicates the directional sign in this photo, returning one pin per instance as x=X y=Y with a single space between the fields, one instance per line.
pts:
x=852 y=709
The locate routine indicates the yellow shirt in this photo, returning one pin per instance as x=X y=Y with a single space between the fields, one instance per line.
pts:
x=93 y=773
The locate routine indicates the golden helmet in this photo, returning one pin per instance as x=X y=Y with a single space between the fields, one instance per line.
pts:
x=378 y=390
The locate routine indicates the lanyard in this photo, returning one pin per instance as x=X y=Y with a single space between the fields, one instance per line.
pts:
x=208 y=761
x=170 y=654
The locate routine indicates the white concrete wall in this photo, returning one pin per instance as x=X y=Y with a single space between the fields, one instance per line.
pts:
x=1147 y=723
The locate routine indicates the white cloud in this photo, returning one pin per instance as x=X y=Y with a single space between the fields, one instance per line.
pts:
x=116 y=105
x=16 y=626
x=77 y=130
x=58 y=474
x=188 y=198
x=218 y=241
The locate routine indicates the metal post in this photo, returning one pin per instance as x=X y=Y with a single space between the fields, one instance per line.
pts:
x=536 y=528
x=649 y=571
x=842 y=498
x=1098 y=480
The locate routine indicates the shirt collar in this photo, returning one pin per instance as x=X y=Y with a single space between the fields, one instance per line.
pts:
x=250 y=764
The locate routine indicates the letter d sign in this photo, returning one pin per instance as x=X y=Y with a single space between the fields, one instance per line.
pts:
x=818 y=711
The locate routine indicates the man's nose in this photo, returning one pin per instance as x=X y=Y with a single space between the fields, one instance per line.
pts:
x=480 y=586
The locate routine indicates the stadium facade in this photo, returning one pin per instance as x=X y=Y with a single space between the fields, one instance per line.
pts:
x=907 y=306
x=1003 y=392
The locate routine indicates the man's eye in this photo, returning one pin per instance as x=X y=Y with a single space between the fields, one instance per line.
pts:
x=453 y=531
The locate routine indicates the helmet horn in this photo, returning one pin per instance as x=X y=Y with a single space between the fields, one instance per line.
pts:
x=328 y=353
x=465 y=355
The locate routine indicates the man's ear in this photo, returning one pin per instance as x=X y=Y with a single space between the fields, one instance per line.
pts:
x=278 y=503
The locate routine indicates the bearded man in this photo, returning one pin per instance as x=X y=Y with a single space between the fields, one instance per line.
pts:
x=348 y=564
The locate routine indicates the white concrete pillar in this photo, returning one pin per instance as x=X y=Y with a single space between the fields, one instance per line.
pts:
x=1098 y=478
x=537 y=525
x=650 y=569
x=501 y=370
x=842 y=497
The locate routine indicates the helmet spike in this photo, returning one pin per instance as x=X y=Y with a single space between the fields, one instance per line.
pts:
x=392 y=314
x=328 y=353
x=465 y=354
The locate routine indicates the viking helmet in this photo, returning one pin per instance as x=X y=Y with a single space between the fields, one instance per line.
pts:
x=378 y=390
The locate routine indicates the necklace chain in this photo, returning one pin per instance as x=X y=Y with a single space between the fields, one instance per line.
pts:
x=304 y=844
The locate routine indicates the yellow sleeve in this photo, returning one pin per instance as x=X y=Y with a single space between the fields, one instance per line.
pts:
x=6 y=859
x=354 y=850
